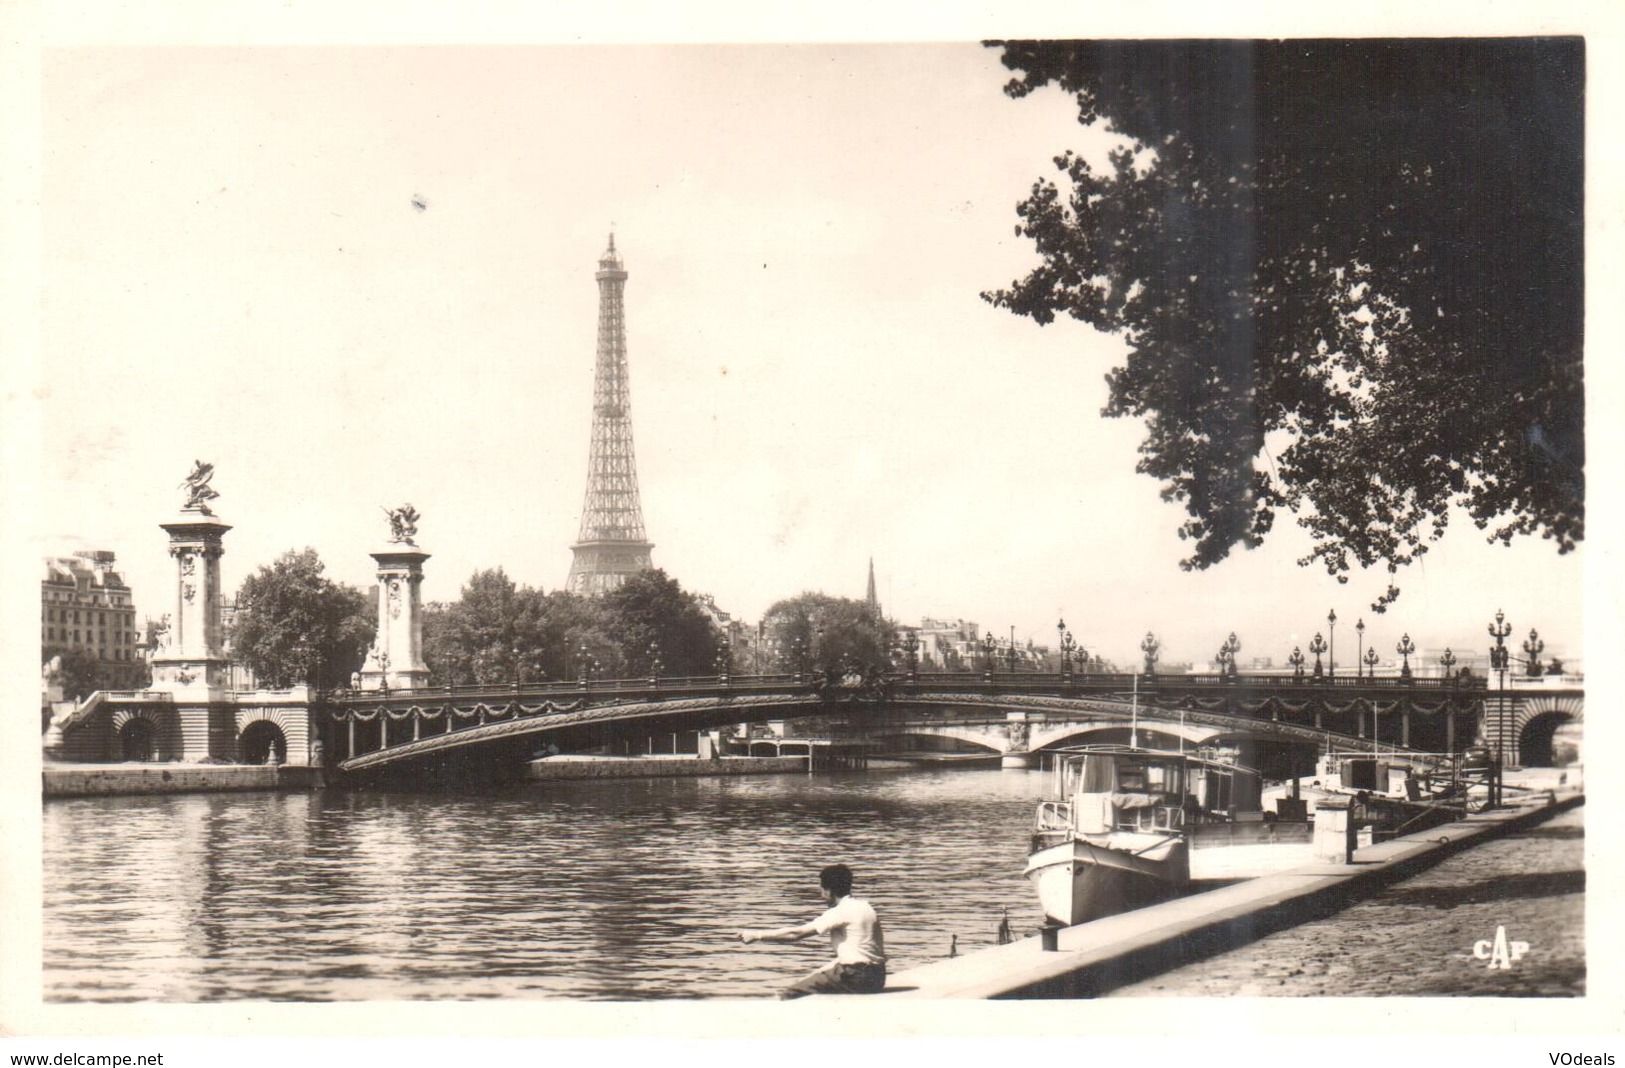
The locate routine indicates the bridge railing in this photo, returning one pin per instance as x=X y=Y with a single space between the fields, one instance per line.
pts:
x=822 y=695
x=966 y=681
x=1126 y=681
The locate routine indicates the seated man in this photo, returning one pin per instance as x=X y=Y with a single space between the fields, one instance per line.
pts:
x=859 y=966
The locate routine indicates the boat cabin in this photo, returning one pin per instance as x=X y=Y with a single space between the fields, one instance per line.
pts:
x=1107 y=789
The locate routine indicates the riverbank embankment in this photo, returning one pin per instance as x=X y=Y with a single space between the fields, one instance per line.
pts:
x=646 y=767
x=1093 y=959
x=103 y=780
x=107 y=780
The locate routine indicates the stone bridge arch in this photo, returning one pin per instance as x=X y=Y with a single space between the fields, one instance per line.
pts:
x=1057 y=735
x=143 y=734
x=258 y=729
x=994 y=738
x=1536 y=721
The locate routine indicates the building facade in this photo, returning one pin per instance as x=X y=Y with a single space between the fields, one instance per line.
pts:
x=86 y=608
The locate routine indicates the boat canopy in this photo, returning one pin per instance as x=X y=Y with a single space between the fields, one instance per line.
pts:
x=1132 y=777
x=1113 y=755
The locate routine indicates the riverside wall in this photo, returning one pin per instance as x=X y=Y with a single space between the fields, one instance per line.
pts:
x=661 y=767
x=100 y=780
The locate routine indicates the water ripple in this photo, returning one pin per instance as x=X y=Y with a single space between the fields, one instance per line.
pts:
x=611 y=890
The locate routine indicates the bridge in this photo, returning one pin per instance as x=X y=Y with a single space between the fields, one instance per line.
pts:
x=397 y=727
x=1280 y=722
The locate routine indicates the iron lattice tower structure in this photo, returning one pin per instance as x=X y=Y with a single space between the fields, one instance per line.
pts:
x=611 y=545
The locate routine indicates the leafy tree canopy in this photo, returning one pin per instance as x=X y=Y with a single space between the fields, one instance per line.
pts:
x=83 y=673
x=498 y=631
x=651 y=607
x=817 y=630
x=295 y=625
x=1348 y=274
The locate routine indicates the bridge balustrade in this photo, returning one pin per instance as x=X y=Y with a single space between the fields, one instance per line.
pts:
x=971 y=681
x=505 y=702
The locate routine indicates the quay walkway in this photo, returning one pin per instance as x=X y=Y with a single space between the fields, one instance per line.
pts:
x=1180 y=939
x=1431 y=935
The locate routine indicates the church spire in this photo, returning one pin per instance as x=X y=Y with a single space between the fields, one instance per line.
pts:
x=870 y=599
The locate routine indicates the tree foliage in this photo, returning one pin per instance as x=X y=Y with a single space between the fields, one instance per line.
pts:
x=1348 y=274
x=651 y=607
x=498 y=632
x=813 y=630
x=488 y=635
x=83 y=673
x=295 y=625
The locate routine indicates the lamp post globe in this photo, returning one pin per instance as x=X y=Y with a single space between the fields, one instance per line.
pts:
x=1150 y=647
x=1499 y=655
x=1532 y=649
x=1331 y=655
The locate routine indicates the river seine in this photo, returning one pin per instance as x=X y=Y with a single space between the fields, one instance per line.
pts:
x=610 y=890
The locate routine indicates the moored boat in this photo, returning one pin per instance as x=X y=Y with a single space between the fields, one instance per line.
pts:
x=1132 y=826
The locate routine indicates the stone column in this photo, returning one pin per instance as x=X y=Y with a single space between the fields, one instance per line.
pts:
x=190 y=659
x=396 y=658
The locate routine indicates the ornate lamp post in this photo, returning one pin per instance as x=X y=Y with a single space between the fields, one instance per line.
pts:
x=911 y=655
x=582 y=663
x=1532 y=648
x=383 y=679
x=1150 y=647
x=1331 y=656
x=724 y=658
x=1296 y=660
x=654 y=663
x=1067 y=645
x=1498 y=661
x=1359 y=645
x=1371 y=659
x=301 y=657
x=1317 y=645
x=1405 y=648
x=989 y=646
x=1010 y=654
x=1446 y=662
x=1232 y=646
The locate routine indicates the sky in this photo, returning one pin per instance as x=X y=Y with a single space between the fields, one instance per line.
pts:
x=234 y=270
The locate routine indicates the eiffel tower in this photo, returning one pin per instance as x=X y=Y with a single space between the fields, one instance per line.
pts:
x=611 y=545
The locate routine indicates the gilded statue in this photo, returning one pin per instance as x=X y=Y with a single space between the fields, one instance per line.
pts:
x=197 y=488
x=403 y=523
